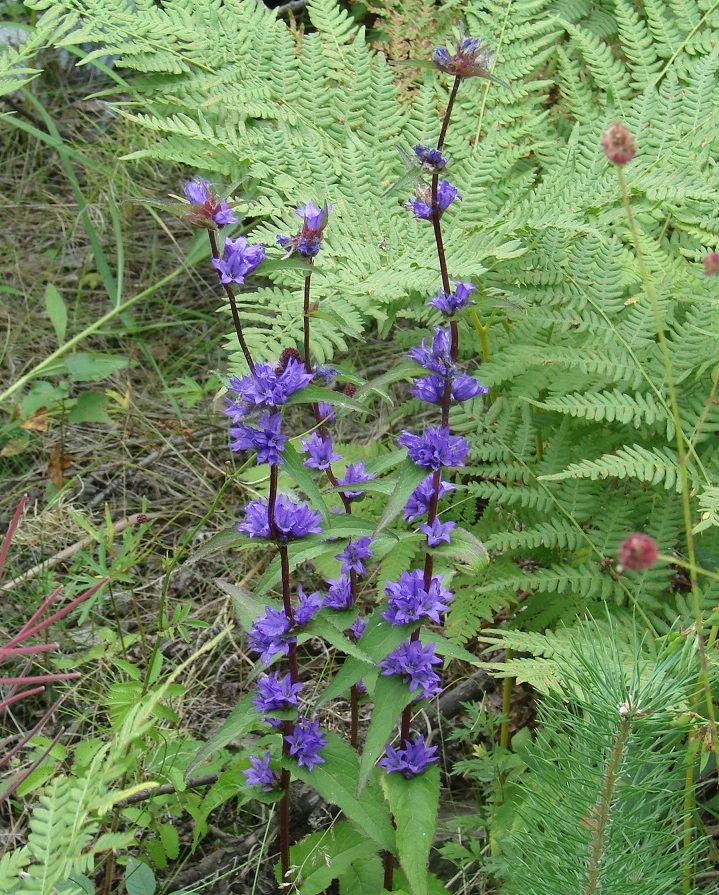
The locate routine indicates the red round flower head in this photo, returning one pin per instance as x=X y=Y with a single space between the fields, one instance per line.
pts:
x=618 y=144
x=711 y=264
x=638 y=551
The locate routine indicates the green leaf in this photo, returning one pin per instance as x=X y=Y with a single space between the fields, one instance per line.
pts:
x=447 y=649
x=391 y=695
x=336 y=782
x=321 y=626
x=327 y=855
x=56 y=311
x=241 y=719
x=313 y=394
x=410 y=477
x=246 y=605
x=90 y=407
x=414 y=807
x=139 y=878
x=170 y=840
x=363 y=877
x=230 y=538
x=292 y=465
x=84 y=366
x=465 y=549
x=352 y=670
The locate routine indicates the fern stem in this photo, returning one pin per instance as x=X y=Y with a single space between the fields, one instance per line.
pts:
x=601 y=814
x=688 y=806
x=682 y=463
x=507 y=688
x=233 y=306
x=306 y=320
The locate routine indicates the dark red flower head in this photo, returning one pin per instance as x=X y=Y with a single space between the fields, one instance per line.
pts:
x=638 y=551
x=618 y=144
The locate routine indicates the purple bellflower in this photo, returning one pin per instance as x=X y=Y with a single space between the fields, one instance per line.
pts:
x=308 y=241
x=418 y=503
x=292 y=520
x=410 y=602
x=307 y=606
x=455 y=301
x=421 y=206
x=339 y=595
x=357 y=628
x=354 y=555
x=267 y=440
x=414 y=663
x=467 y=61
x=438 y=358
x=321 y=454
x=260 y=774
x=208 y=210
x=239 y=260
x=266 y=387
x=269 y=634
x=306 y=742
x=275 y=693
x=326 y=413
x=435 y=448
x=353 y=475
x=410 y=760
x=430 y=159
x=437 y=532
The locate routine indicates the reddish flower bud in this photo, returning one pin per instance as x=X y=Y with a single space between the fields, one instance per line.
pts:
x=350 y=390
x=287 y=354
x=711 y=264
x=638 y=551
x=618 y=144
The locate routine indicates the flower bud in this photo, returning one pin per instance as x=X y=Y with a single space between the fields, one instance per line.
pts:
x=711 y=264
x=638 y=551
x=618 y=144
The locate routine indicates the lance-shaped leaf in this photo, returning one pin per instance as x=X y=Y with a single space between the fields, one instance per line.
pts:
x=410 y=476
x=391 y=695
x=328 y=855
x=336 y=782
x=414 y=807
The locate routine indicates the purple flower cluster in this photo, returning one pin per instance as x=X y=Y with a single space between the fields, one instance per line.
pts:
x=455 y=301
x=421 y=206
x=467 y=61
x=260 y=774
x=355 y=554
x=435 y=448
x=208 y=210
x=306 y=742
x=238 y=260
x=440 y=364
x=420 y=499
x=355 y=474
x=270 y=634
x=437 y=532
x=307 y=606
x=413 y=663
x=410 y=760
x=266 y=387
x=430 y=159
x=410 y=601
x=321 y=453
x=275 y=693
x=339 y=596
x=291 y=520
x=308 y=240
x=265 y=438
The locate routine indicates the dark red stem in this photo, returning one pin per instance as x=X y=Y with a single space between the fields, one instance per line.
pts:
x=233 y=306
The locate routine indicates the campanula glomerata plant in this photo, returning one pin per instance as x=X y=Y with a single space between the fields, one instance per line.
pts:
x=394 y=654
